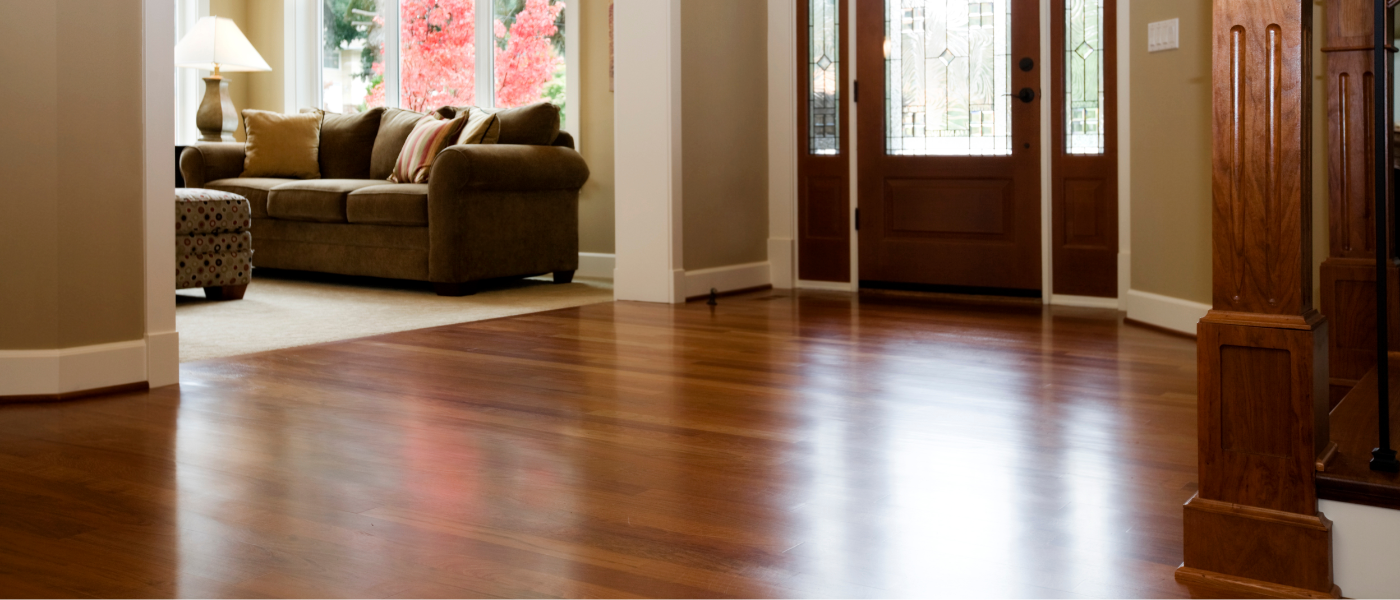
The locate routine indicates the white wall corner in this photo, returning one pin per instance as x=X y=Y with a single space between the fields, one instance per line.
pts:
x=1165 y=312
x=1124 y=30
x=1365 y=542
x=727 y=279
x=782 y=142
x=161 y=363
x=782 y=262
x=648 y=155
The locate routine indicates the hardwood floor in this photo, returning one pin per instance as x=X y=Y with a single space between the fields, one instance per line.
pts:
x=817 y=444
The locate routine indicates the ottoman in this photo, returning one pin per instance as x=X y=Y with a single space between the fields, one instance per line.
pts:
x=213 y=248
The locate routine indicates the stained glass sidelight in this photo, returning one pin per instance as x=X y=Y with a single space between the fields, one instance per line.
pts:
x=1084 y=83
x=824 y=62
x=947 y=77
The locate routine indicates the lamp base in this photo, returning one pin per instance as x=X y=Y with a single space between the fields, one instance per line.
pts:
x=216 y=119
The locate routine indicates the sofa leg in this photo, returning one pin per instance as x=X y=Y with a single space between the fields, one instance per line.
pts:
x=226 y=292
x=563 y=276
x=454 y=289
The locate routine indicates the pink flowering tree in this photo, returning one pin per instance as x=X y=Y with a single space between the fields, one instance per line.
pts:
x=438 y=54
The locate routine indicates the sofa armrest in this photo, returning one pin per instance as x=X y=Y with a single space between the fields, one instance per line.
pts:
x=503 y=210
x=508 y=167
x=210 y=161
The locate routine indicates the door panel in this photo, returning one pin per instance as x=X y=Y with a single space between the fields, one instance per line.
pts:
x=1084 y=164
x=949 y=157
x=823 y=162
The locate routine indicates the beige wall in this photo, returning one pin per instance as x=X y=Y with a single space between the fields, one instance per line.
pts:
x=595 y=130
x=724 y=132
x=71 y=248
x=1171 y=147
x=1171 y=141
x=264 y=31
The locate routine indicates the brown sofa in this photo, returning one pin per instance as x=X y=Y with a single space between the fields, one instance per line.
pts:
x=488 y=211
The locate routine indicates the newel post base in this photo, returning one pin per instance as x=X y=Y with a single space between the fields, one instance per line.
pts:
x=1253 y=528
x=1242 y=551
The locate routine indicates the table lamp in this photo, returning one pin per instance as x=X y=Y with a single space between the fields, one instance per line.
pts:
x=214 y=44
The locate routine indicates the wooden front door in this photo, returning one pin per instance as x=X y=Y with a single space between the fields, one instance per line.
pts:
x=948 y=109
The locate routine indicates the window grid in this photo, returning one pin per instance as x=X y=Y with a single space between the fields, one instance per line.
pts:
x=1084 y=77
x=824 y=82
x=947 y=77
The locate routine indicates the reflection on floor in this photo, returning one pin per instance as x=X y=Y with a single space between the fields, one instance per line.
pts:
x=290 y=308
x=779 y=444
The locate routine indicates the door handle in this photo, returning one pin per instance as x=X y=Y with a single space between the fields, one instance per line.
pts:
x=1026 y=95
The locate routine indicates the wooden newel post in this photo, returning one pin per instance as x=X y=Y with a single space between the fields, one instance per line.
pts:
x=1253 y=526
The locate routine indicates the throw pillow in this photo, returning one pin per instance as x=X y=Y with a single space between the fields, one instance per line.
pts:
x=428 y=138
x=347 y=142
x=481 y=128
x=281 y=145
x=394 y=128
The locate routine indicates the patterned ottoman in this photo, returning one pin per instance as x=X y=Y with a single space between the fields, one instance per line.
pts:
x=213 y=248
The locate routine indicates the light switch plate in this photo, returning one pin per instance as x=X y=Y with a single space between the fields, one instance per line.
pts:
x=1164 y=35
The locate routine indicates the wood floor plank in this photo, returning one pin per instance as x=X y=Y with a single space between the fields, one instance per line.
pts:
x=781 y=444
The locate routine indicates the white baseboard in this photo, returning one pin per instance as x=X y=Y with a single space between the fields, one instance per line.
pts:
x=782 y=266
x=1084 y=301
x=60 y=371
x=595 y=265
x=163 y=358
x=834 y=286
x=1166 y=312
x=727 y=279
x=1365 y=541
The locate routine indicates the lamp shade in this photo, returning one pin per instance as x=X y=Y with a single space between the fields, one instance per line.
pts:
x=217 y=42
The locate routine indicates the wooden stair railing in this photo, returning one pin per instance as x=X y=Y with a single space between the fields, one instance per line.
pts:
x=1253 y=527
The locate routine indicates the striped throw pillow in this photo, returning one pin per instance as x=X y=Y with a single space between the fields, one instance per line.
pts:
x=429 y=137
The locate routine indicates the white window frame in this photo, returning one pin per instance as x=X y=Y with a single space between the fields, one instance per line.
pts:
x=189 y=85
x=306 y=90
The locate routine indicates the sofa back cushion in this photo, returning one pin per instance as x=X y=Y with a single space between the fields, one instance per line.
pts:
x=429 y=138
x=282 y=145
x=347 y=143
x=533 y=124
x=394 y=127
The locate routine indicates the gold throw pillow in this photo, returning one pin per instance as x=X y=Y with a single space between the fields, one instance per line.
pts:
x=282 y=145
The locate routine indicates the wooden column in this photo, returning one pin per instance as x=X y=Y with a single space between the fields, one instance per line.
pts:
x=1253 y=526
x=1348 y=295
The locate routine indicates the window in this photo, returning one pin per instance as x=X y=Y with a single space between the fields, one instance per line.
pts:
x=1084 y=85
x=947 y=73
x=422 y=54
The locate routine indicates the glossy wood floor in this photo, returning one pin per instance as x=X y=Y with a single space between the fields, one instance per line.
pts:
x=813 y=445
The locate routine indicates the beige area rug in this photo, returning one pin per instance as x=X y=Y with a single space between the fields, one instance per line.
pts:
x=283 y=310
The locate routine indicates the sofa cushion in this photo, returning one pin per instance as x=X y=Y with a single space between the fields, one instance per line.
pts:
x=320 y=200
x=347 y=143
x=394 y=127
x=282 y=145
x=392 y=204
x=429 y=137
x=253 y=188
x=532 y=125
